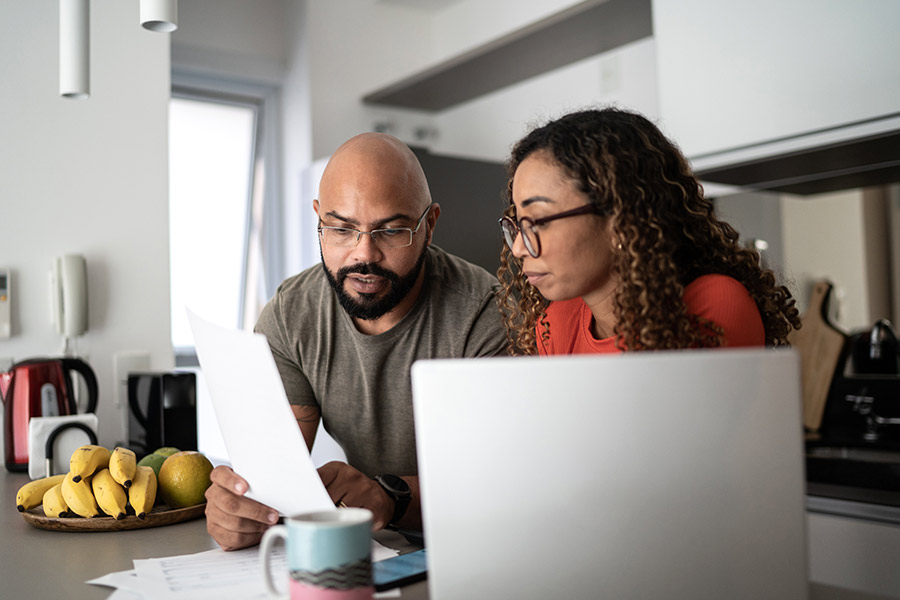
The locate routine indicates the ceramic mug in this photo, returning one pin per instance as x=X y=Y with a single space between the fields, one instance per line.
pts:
x=329 y=555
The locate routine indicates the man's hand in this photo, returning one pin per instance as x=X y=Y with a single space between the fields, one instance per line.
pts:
x=231 y=519
x=346 y=484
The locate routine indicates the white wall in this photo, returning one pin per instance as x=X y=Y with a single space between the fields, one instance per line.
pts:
x=823 y=238
x=88 y=177
x=354 y=48
x=233 y=38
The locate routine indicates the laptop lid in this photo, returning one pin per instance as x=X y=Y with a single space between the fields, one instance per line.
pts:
x=643 y=475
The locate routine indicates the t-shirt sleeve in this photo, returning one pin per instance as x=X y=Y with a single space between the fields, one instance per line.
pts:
x=727 y=303
x=296 y=385
x=487 y=336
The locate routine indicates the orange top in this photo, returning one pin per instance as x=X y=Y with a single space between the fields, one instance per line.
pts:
x=718 y=298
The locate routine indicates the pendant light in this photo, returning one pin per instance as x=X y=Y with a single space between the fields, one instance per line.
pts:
x=159 y=15
x=74 y=49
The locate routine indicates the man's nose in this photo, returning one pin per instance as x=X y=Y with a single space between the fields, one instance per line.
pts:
x=366 y=249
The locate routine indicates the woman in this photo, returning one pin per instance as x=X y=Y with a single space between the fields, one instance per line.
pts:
x=611 y=246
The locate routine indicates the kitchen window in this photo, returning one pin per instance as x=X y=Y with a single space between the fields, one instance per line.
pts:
x=224 y=247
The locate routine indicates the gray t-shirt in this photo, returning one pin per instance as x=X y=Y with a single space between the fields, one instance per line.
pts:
x=361 y=383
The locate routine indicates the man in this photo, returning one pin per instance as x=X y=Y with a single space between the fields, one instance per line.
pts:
x=344 y=335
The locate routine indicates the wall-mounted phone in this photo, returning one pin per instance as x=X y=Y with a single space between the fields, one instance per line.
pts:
x=68 y=295
x=5 y=301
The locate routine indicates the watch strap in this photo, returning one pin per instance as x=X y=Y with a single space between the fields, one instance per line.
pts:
x=392 y=485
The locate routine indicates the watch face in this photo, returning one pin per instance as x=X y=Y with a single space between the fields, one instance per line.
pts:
x=396 y=484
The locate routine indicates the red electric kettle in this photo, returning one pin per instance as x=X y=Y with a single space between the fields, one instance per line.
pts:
x=39 y=387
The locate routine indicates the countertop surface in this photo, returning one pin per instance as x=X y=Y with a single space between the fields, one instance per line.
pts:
x=37 y=563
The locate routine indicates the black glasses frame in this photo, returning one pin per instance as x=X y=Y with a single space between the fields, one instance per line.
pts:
x=511 y=229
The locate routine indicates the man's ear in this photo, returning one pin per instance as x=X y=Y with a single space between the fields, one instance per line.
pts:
x=316 y=206
x=431 y=221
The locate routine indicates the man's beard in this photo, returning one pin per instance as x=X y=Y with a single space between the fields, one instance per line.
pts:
x=369 y=307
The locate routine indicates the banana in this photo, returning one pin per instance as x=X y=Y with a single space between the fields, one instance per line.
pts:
x=142 y=493
x=79 y=496
x=54 y=503
x=87 y=460
x=122 y=464
x=32 y=493
x=109 y=494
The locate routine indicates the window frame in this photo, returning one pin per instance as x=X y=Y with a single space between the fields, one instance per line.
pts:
x=263 y=99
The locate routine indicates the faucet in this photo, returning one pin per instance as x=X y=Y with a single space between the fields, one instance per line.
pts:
x=862 y=404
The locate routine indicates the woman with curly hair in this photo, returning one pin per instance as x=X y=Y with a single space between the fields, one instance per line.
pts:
x=611 y=246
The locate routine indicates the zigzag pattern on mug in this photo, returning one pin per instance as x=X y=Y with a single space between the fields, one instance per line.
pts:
x=345 y=577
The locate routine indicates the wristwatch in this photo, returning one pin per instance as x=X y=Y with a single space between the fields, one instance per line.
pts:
x=397 y=488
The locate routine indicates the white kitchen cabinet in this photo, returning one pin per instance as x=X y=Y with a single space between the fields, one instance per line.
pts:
x=854 y=554
x=736 y=74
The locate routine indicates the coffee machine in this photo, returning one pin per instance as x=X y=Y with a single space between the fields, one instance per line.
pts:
x=864 y=398
x=162 y=409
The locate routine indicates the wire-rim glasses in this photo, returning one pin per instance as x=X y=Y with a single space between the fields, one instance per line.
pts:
x=348 y=237
x=526 y=226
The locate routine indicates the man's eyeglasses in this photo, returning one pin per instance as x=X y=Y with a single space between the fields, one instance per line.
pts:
x=347 y=237
x=526 y=226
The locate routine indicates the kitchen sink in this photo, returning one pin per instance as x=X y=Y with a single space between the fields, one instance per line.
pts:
x=870 y=455
x=861 y=472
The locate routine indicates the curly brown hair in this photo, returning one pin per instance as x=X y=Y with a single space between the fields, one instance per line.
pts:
x=670 y=236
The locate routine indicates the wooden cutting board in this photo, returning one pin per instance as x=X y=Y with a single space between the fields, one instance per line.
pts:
x=819 y=344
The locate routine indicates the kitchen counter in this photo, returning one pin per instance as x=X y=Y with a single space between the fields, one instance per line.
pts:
x=54 y=564
x=38 y=563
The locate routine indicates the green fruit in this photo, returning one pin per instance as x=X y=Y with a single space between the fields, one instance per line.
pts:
x=154 y=461
x=166 y=451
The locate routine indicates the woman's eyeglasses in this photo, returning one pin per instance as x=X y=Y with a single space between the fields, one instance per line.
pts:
x=526 y=226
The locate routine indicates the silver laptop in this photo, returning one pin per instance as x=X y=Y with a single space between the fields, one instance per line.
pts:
x=675 y=475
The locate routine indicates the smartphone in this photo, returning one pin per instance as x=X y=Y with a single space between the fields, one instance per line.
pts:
x=399 y=570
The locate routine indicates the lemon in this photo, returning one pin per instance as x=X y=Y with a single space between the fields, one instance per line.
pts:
x=183 y=479
x=153 y=461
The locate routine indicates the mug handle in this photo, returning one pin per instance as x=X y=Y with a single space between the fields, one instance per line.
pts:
x=268 y=539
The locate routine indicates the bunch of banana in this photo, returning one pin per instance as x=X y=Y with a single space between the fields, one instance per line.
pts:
x=79 y=496
x=32 y=493
x=54 y=503
x=142 y=493
x=98 y=482
x=87 y=460
x=109 y=494
x=122 y=465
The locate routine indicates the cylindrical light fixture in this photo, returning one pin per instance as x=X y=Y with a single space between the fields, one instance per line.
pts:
x=74 y=49
x=159 y=15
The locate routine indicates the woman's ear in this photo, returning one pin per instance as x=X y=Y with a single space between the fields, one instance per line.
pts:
x=614 y=239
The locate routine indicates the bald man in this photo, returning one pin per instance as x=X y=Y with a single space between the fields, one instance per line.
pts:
x=344 y=335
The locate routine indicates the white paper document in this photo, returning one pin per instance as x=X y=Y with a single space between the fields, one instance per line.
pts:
x=210 y=575
x=264 y=443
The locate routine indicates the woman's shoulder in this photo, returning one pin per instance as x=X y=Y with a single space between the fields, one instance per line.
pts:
x=725 y=301
x=716 y=283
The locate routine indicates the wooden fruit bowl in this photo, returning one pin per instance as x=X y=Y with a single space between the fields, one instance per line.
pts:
x=161 y=515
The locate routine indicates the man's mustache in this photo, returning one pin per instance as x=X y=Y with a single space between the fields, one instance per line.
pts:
x=367 y=269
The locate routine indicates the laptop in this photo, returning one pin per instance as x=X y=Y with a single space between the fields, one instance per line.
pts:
x=645 y=475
